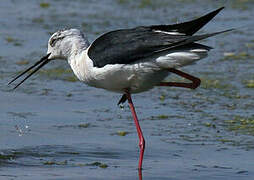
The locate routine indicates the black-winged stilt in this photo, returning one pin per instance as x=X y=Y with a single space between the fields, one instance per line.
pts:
x=130 y=60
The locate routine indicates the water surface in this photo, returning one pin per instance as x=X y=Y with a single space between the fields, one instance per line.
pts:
x=54 y=127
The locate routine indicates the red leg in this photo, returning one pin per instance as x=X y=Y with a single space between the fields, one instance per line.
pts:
x=140 y=134
x=140 y=174
x=193 y=85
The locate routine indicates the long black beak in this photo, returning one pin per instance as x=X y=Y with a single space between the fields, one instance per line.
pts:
x=43 y=61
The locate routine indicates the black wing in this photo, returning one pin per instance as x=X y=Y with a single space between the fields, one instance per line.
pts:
x=128 y=45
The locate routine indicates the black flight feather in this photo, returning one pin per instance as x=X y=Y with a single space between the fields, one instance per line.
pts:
x=190 y=27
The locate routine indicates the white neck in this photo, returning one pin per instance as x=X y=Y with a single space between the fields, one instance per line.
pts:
x=76 y=46
x=81 y=65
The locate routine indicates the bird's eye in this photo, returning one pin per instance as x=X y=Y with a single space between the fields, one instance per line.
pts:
x=53 y=42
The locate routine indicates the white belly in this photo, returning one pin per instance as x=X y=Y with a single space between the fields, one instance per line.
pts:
x=135 y=77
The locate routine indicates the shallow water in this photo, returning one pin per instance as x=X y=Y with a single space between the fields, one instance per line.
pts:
x=54 y=127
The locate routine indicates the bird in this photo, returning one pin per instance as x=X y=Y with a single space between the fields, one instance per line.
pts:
x=130 y=61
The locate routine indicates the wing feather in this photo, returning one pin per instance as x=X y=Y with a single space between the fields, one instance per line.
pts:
x=190 y=27
x=126 y=46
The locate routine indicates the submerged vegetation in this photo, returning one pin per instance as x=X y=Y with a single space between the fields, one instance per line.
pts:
x=44 y=5
x=22 y=62
x=11 y=40
x=79 y=126
x=99 y=164
x=122 y=133
x=241 y=124
x=55 y=162
x=65 y=162
x=237 y=56
x=249 y=83
x=65 y=74
x=214 y=84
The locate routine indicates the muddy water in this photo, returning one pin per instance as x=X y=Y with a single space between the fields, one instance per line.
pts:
x=54 y=127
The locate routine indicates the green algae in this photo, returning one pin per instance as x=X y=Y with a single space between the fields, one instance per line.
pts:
x=69 y=95
x=72 y=153
x=249 y=83
x=237 y=56
x=13 y=41
x=22 y=62
x=103 y=166
x=65 y=162
x=235 y=95
x=44 y=5
x=99 y=164
x=122 y=133
x=162 y=116
x=55 y=162
x=214 y=84
x=241 y=124
x=84 y=125
x=9 y=39
x=38 y=20
x=7 y=157
x=249 y=45
x=122 y=1
x=207 y=124
x=58 y=71
x=241 y=4
x=162 y=97
x=145 y=3
x=71 y=78
x=79 y=126
x=165 y=117
x=64 y=74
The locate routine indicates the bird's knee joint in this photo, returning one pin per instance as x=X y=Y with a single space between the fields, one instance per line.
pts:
x=196 y=83
x=142 y=144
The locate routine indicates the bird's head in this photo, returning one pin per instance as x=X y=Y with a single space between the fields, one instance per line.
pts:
x=61 y=45
x=64 y=43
